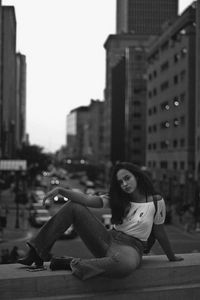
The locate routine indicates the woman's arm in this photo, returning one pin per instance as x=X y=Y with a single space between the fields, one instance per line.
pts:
x=78 y=197
x=161 y=236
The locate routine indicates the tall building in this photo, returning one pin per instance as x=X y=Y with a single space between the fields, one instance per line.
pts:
x=122 y=90
x=77 y=122
x=137 y=23
x=95 y=128
x=171 y=102
x=85 y=132
x=1 y=100
x=197 y=160
x=8 y=82
x=144 y=16
x=20 y=100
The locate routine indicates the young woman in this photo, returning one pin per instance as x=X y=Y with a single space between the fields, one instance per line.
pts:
x=117 y=252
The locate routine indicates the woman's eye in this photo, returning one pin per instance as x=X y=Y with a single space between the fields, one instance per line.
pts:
x=127 y=178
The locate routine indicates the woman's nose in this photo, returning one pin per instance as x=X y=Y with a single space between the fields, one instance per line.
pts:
x=124 y=182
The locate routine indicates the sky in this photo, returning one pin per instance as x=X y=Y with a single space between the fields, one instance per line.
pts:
x=63 y=42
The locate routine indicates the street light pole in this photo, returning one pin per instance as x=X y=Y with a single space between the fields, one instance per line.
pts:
x=17 y=200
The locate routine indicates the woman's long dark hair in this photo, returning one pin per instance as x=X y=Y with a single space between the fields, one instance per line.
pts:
x=119 y=200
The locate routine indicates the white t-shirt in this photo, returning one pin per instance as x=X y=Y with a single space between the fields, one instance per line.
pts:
x=140 y=218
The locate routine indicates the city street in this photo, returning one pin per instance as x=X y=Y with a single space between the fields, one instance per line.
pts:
x=182 y=242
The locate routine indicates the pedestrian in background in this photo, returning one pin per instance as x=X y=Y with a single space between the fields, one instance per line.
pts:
x=3 y=218
x=118 y=252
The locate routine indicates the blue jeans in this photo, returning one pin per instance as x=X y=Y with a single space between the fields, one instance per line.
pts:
x=116 y=254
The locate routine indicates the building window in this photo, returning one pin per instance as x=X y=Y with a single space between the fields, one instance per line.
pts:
x=183 y=31
x=154 y=73
x=136 y=103
x=175 y=165
x=176 y=101
x=176 y=122
x=165 y=124
x=154 y=91
x=182 y=97
x=163 y=164
x=176 y=57
x=182 y=142
x=164 y=144
x=183 y=52
x=164 y=66
x=175 y=143
x=176 y=79
x=154 y=128
x=165 y=46
x=137 y=115
x=182 y=75
x=164 y=85
x=165 y=105
x=182 y=165
x=154 y=109
x=137 y=140
x=150 y=94
x=182 y=120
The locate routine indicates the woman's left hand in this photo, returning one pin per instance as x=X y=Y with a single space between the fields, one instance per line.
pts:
x=176 y=258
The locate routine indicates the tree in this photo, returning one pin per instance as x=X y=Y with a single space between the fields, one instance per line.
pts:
x=36 y=159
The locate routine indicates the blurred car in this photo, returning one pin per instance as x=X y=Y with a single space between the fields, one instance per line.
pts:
x=38 y=217
x=37 y=196
x=35 y=206
x=89 y=184
x=55 y=181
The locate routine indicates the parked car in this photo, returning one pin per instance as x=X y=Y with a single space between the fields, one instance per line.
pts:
x=37 y=196
x=55 y=181
x=38 y=217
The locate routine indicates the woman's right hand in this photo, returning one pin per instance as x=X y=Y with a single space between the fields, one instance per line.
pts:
x=50 y=195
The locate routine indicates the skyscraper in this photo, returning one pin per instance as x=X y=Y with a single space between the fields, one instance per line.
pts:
x=144 y=16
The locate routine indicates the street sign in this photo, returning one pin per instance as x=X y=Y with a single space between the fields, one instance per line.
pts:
x=13 y=165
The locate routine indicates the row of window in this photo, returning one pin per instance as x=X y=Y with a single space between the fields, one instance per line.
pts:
x=165 y=164
x=165 y=65
x=166 y=84
x=167 y=124
x=166 y=105
x=166 y=144
x=170 y=43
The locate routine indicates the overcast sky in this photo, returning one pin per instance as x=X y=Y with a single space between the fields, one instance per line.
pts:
x=63 y=43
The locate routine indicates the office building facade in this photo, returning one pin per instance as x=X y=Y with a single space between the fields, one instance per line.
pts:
x=197 y=158
x=144 y=16
x=170 y=151
x=8 y=82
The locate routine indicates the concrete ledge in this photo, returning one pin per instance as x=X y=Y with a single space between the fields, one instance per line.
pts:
x=157 y=278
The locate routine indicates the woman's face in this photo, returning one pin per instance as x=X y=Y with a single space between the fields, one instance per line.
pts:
x=127 y=181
